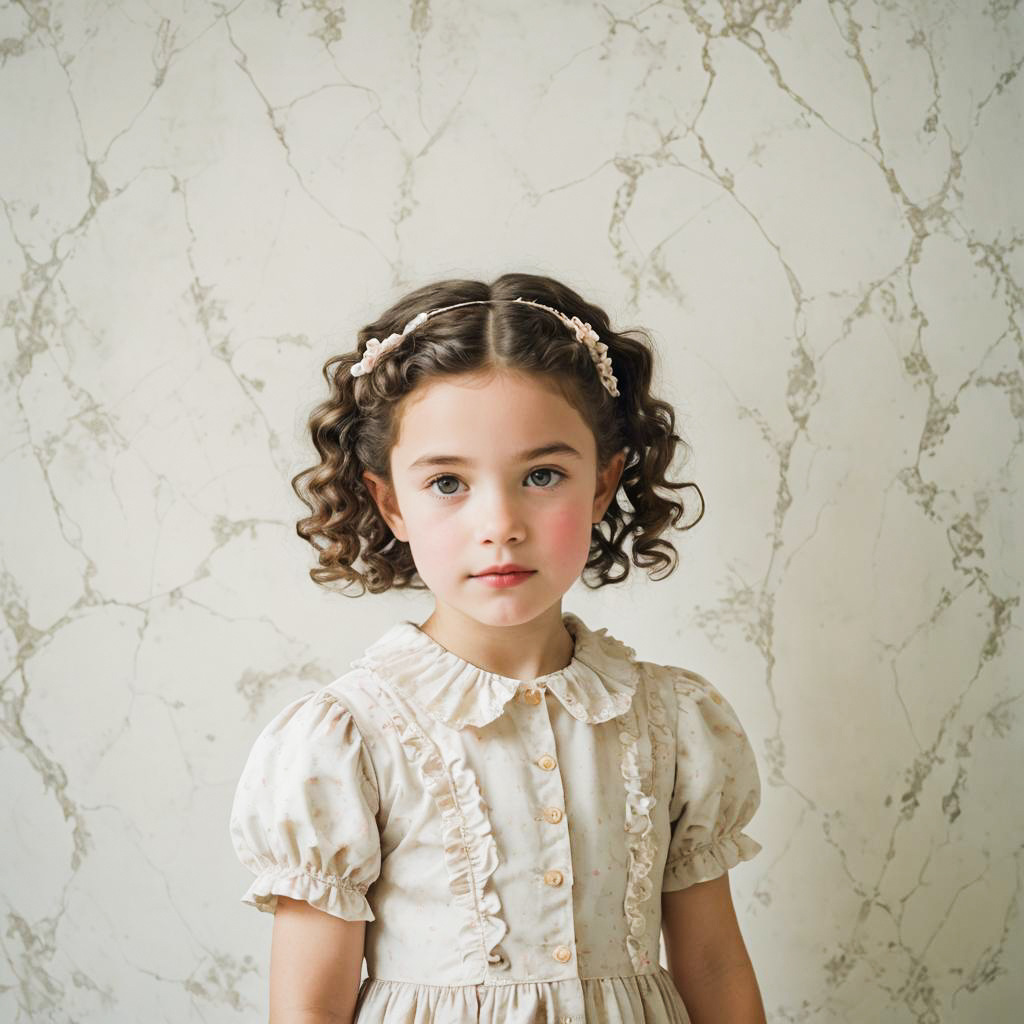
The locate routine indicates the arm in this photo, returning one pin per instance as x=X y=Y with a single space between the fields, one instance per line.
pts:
x=707 y=958
x=316 y=961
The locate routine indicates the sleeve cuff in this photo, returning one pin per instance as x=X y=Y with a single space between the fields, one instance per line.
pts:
x=328 y=893
x=709 y=861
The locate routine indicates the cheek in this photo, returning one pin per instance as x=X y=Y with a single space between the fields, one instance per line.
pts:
x=436 y=538
x=567 y=533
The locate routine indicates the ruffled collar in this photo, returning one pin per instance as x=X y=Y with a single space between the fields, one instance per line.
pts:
x=596 y=685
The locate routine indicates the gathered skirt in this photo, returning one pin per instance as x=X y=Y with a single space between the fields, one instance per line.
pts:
x=634 y=999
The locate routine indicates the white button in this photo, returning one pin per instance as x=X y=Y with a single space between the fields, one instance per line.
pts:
x=532 y=697
x=552 y=814
x=562 y=954
x=547 y=762
x=553 y=877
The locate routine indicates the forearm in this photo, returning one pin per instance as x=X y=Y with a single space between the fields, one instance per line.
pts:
x=724 y=994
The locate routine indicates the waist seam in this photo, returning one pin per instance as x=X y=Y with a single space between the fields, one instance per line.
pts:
x=494 y=983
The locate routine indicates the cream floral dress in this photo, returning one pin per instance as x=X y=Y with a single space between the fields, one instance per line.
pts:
x=507 y=841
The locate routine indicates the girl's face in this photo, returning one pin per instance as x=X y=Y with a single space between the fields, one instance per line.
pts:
x=471 y=489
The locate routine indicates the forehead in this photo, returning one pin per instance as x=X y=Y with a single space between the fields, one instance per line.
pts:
x=487 y=419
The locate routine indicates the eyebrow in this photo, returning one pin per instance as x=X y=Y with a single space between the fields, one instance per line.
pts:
x=555 y=448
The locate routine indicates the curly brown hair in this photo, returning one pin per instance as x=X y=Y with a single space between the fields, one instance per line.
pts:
x=355 y=428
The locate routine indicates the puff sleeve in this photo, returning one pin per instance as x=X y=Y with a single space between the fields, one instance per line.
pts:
x=303 y=817
x=717 y=788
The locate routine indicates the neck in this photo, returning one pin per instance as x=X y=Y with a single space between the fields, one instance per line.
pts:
x=523 y=651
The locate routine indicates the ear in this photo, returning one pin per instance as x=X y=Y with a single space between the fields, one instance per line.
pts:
x=607 y=484
x=383 y=495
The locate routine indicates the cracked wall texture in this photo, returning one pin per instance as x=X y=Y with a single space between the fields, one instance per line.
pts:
x=816 y=209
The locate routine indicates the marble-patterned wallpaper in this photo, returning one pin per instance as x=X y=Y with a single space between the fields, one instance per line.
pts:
x=817 y=210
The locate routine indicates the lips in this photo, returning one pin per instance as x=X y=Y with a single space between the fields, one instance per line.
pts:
x=499 y=570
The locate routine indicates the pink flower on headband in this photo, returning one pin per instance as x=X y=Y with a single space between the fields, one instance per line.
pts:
x=586 y=333
x=598 y=351
x=374 y=349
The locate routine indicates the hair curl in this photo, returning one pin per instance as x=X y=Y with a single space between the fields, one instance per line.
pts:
x=355 y=428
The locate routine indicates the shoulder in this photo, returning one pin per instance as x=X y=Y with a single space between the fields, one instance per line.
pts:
x=294 y=721
x=301 y=716
x=347 y=701
x=312 y=730
x=697 y=708
x=682 y=686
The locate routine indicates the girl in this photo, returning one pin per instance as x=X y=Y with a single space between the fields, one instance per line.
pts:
x=501 y=807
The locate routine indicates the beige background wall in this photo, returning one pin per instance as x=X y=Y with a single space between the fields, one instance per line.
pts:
x=816 y=209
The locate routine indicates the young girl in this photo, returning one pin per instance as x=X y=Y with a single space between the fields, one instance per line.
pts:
x=501 y=807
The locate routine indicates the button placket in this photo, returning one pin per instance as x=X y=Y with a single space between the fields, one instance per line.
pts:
x=555 y=881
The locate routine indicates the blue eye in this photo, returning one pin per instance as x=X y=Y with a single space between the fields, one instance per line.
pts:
x=451 y=494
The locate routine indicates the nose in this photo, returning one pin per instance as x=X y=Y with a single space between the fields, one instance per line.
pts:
x=500 y=519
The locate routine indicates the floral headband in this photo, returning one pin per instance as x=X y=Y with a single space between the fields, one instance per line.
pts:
x=585 y=334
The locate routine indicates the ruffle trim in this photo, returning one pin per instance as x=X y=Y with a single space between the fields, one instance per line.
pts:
x=709 y=860
x=600 y=681
x=329 y=893
x=641 y=845
x=452 y=690
x=597 y=685
x=470 y=852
